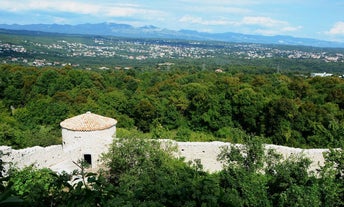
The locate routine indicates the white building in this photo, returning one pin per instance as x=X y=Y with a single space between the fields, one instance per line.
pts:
x=85 y=136
x=321 y=74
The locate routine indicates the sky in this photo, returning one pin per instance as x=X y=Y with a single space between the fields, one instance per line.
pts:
x=318 y=19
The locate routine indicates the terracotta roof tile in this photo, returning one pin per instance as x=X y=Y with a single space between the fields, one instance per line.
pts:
x=88 y=122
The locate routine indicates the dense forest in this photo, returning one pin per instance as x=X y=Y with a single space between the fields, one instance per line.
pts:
x=184 y=104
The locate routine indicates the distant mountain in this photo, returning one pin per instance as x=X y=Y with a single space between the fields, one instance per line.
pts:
x=125 y=30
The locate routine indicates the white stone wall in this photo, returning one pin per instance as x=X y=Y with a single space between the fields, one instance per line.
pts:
x=38 y=156
x=75 y=145
x=315 y=155
x=206 y=152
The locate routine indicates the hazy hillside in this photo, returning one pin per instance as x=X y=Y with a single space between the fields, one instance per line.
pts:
x=125 y=30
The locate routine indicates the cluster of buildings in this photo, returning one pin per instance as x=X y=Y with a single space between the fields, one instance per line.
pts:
x=133 y=50
x=257 y=51
x=149 y=49
x=12 y=48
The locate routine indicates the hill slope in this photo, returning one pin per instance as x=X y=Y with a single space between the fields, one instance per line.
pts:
x=125 y=30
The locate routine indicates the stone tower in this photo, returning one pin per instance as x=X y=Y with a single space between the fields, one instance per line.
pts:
x=87 y=136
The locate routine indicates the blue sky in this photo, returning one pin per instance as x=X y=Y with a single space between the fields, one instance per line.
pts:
x=318 y=19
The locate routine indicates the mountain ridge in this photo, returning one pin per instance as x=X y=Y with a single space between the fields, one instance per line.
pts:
x=150 y=31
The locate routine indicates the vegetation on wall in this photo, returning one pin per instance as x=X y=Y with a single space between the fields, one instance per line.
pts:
x=140 y=172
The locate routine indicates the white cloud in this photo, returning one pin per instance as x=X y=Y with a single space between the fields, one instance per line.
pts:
x=216 y=9
x=256 y=24
x=238 y=2
x=66 y=6
x=267 y=26
x=77 y=7
x=121 y=11
x=221 y=2
x=337 y=29
x=199 y=20
x=276 y=31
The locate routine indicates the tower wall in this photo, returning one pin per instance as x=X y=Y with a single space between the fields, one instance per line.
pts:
x=94 y=143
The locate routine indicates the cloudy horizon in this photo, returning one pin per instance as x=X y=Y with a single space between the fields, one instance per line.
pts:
x=318 y=20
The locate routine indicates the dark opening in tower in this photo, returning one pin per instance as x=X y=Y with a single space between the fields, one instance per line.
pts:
x=88 y=158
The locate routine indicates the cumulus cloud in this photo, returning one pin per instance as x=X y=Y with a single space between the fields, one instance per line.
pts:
x=337 y=29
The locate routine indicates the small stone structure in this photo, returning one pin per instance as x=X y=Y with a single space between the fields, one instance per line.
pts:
x=85 y=136
x=88 y=135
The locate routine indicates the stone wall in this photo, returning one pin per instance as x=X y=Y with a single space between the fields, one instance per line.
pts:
x=206 y=152
x=38 y=156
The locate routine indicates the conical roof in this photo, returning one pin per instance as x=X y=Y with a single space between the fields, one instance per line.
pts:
x=88 y=122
